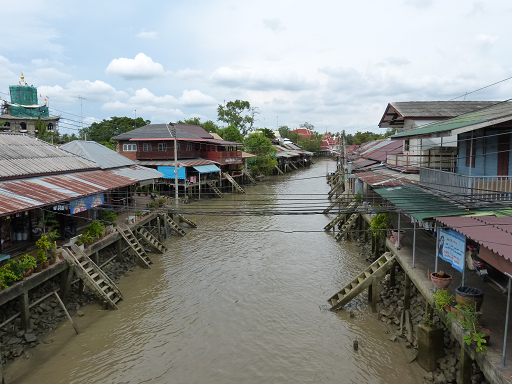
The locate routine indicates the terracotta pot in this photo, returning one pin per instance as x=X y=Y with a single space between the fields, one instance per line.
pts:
x=440 y=282
x=38 y=268
x=52 y=260
x=46 y=264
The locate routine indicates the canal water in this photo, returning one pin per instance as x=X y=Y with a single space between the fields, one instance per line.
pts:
x=239 y=300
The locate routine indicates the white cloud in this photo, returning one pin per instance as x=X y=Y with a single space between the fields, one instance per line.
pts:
x=143 y=97
x=486 y=41
x=274 y=24
x=142 y=67
x=147 y=35
x=420 y=4
x=196 y=98
x=189 y=73
x=261 y=80
x=97 y=91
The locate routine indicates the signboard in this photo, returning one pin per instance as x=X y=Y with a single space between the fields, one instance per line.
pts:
x=451 y=248
x=85 y=203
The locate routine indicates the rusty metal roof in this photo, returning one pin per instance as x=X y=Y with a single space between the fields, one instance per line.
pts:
x=380 y=151
x=387 y=178
x=181 y=162
x=495 y=233
x=21 y=195
x=22 y=155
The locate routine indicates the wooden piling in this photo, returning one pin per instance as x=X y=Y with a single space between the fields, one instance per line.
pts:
x=66 y=311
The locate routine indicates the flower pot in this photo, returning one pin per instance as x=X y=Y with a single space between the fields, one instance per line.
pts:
x=398 y=235
x=46 y=264
x=469 y=295
x=52 y=260
x=38 y=268
x=440 y=282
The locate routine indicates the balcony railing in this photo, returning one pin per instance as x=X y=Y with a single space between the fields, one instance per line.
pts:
x=469 y=188
x=220 y=154
x=413 y=163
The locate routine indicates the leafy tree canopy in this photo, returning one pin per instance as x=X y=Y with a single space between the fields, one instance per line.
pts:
x=284 y=131
x=208 y=125
x=359 y=138
x=267 y=133
x=260 y=145
x=103 y=131
x=239 y=114
x=43 y=134
x=306 y=125
x=231 y=133
x=312 y=144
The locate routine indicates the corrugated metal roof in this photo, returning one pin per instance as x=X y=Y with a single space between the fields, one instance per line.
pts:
x=482 y=118
x=361 y=163
x=183 y=131
x=419 y=203
x=22 y=155
x=380 y=151
x=495 y=233
x=181 y=163
x=387 y=178
x=432 y=109
x=93 y=151
x=29 y=193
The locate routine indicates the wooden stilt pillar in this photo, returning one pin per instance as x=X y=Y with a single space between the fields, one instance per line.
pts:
x=119 y=250
x=96 y=258
x=25 y=311
x=372 y=296
x=66 y=277
x=407 y=292
x=465 y=367
x=430 y=347
x=159 y=229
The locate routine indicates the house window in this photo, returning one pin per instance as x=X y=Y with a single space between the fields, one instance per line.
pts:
x=146 y=147
x=406 y=145
x=189 y=146
x=50 y=127
x=470 y=153
x=23 y=127
x=162 y=147
x=129 y=147
x=7 y=124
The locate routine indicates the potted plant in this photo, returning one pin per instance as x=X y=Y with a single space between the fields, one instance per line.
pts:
x=441 y=279
x=358 y=198
x=108 y=217
x=28 y=264
x=41 y=258
x=7 y=276
x=161 y=202
x=379 y=225
x=442 y=299
x=467 y=315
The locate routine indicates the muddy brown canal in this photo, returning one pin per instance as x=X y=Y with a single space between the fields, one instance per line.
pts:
x=238 y=300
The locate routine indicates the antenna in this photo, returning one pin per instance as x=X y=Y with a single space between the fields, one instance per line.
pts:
x=81 y=117
x=135 y=121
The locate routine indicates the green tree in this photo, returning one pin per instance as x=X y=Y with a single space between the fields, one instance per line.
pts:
x=66 y=138
x=261 y=146
x=231 y=133
x=208 y=125
x=191 y=121
x=306 y=125
x=284 y=131
x=294 y=137
x=43 y=134
x=103 y=131
x=364 y=137
x=239 y=114
x=268 y=133
x=313 y=144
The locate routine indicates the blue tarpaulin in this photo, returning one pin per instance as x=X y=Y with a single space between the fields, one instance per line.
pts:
x=169 y=172
x=210 y=168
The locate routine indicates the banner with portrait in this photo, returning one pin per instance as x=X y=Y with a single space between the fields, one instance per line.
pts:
x=85 y=203
x=451 y=248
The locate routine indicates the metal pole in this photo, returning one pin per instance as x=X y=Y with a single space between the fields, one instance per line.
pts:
x=199 y=185
x=398 y=241
x=506 y=320
x=175 y=164
x=414 y=245
x=437 y=247
x=463 y=283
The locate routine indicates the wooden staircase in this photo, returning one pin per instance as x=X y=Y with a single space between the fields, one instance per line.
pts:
x=279 y=170
x=132 y=241
x=174 y=226
x=235 y=184
x=151 y=240
x=337 y=201
x=93 y=276
x=369 y=276
x=340 y=217
x=346 y=227
x=214 y=188
x=249 y=176
x=183 y=219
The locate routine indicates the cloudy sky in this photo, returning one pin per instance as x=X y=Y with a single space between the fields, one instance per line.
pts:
x=333 y=63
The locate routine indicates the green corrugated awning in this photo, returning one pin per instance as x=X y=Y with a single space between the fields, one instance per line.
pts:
x=419 y=203
x=436 y=128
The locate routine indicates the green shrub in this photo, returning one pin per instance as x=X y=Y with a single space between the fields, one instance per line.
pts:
x=41 y=256
x=108 y=217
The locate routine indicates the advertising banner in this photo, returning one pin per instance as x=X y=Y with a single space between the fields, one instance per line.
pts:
x=451 y=248
x=85 y=203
